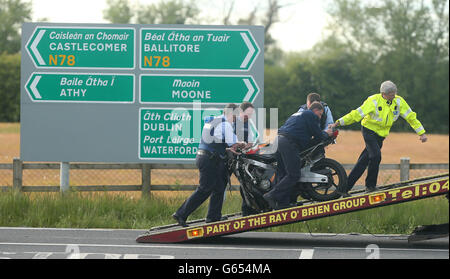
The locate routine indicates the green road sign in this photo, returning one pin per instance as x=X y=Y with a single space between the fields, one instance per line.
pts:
x=173 y=134
x=184 y=89
x=81 y=87
x=169 y=134
x=81 y=47
x=197 y=49
x=109 y=89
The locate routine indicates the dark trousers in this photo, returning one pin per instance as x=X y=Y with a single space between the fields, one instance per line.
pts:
x=288 y=170
x=370 y=158
x=213 y=178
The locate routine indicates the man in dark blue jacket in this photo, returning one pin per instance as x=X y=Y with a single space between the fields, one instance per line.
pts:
x=293 y=137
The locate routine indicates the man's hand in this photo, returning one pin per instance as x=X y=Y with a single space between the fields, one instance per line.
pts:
x=329 y=131
x=237 y=145
x=333 y=126
x=423 y=138
x=240 y=144
x=248 y=145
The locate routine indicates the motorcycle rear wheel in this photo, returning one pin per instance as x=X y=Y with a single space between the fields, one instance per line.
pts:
x=337 y=181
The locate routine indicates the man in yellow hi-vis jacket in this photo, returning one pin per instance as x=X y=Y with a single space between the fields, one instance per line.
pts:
x=377 y=114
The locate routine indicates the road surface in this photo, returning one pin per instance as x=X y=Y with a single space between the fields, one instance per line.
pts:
x=50 y=243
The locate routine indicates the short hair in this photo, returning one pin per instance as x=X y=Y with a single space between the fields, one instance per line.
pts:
x=388 y=87
x=230 y=108
x=313 y=97
x=316 y=105
x=246 y=105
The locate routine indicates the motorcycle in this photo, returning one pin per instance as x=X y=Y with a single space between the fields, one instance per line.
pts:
x=321 y=179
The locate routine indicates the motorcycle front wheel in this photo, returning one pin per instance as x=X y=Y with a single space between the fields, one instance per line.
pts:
x=337 y=181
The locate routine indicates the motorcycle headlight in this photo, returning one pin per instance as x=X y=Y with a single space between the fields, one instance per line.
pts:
x=265 y=185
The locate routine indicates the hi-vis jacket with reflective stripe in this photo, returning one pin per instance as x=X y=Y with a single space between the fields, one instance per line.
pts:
x=378 y=116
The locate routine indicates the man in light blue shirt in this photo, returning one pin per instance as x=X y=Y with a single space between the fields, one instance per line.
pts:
x=327 y=117
x=242 y=127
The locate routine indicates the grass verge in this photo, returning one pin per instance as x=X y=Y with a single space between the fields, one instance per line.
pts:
x=103 y=210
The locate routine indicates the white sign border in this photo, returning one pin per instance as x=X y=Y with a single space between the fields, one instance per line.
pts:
x=258 y=49
x=83 y=68
x=81 y=102
x=193 y=75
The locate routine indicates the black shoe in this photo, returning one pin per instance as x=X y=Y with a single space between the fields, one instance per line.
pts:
x=284 y=206
x=272 y=203
x=180 y=220
x=344 y=194
x=371 y=189
x=224 y=218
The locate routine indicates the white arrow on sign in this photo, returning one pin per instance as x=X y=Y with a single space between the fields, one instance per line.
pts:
x=250 y=89
x=251 y=50
x=34 y=47
x=34 y=89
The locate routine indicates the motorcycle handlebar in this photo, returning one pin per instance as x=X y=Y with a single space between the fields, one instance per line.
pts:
x=240 y=151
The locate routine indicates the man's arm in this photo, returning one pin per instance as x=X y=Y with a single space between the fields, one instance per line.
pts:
x=224 y=131
x=314 y=126
x=357 y=114
x=329 y=120
x=411 y=117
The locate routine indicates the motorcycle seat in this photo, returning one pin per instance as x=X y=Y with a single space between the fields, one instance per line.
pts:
x=266 y=158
